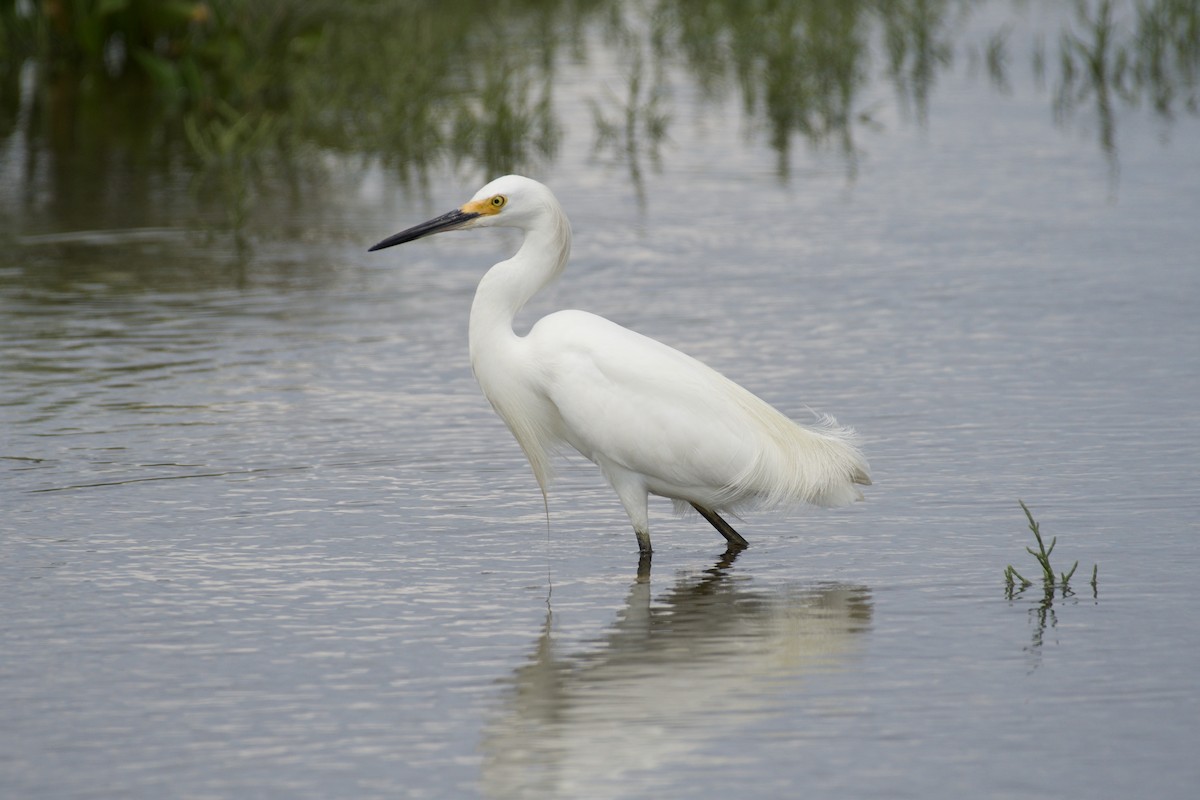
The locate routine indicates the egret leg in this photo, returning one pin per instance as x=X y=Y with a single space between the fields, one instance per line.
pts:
x=643 y=538
x=631 y=491
x=724 y=528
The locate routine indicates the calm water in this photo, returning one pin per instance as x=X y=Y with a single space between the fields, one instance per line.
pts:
x=263 y=537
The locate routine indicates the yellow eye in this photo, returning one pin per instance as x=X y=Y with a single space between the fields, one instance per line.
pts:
x=498 y=201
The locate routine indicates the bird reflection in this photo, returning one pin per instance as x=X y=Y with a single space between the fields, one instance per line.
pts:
x=671 y=679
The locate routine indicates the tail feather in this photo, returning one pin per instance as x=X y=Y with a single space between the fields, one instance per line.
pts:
x=819 y=464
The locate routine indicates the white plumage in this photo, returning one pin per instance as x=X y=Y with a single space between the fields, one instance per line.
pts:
x=656 y=421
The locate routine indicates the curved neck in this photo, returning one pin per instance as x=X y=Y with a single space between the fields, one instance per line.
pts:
x=509 y=285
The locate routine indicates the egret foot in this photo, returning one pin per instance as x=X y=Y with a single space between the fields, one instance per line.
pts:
x=724 y=528
x=643 y=568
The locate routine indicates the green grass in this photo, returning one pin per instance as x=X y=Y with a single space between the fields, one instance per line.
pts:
x=1015 y=582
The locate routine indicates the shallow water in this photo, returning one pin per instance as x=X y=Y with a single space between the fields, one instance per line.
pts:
x=264 y=537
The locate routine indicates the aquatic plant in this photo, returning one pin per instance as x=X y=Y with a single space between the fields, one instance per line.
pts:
x=1050 y=583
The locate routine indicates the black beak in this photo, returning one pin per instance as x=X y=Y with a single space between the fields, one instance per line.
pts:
x=446 y=222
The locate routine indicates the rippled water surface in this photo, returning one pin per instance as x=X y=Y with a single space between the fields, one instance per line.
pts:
x=263 y=537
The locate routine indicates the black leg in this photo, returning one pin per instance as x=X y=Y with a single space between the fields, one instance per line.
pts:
x=724 y=528
x=643 y=538
x=643 y=571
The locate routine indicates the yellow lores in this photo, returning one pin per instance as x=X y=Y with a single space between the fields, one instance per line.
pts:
x=487 y=206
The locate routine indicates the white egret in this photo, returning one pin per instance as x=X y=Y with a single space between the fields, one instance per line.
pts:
x=654 y=420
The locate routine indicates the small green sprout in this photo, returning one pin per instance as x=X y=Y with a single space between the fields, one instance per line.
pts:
x=1063 y=582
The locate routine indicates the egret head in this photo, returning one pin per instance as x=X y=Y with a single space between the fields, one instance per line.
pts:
x=512 y=201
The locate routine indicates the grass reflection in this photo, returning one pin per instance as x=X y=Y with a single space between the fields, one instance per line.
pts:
x=1109 y=58
x=632 y=128
x=799 y=66
x=108 y=104
x=413 y=85
x=918 y=45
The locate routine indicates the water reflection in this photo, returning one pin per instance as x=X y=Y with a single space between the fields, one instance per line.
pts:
x=1111 y=57
x=632 y=122
x=798 y=66
x=1043 y=615
x=918 y=45
x=672 y=677
x=249 y=103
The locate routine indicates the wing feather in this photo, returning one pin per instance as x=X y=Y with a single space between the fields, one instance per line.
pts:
x=629 y=400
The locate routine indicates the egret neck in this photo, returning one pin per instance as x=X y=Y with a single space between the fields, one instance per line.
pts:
x=509 y=285
x=495 y=347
